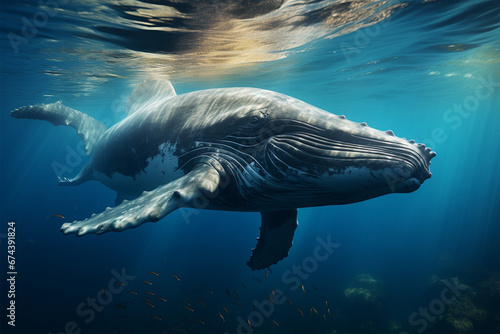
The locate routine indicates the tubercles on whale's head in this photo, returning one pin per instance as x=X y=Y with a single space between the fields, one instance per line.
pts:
x=341 y=161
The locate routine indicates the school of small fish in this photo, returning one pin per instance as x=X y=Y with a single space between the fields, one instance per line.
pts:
x=225 y=314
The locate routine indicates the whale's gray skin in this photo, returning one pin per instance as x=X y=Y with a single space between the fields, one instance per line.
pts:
x=234 y=149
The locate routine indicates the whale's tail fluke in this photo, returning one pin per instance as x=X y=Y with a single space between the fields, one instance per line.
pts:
x=89 y=129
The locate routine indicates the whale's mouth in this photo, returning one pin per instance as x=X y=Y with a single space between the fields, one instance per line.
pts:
x=334 y=153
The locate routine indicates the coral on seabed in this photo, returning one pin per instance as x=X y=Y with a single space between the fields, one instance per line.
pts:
x=366 y=289
x=364 y=309
x=461 y=314
x=360 y=294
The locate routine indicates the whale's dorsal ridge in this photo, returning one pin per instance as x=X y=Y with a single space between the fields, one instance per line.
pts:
x=149 y=92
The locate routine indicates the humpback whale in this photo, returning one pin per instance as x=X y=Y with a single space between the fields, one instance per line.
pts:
x=233 y=149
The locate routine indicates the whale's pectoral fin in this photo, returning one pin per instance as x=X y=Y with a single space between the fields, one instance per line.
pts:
x=201 y=183
x=120 y=197
x=276 y=235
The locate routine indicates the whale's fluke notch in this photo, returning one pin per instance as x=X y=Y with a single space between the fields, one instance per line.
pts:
x=89 y=129
x=151 y=206
x=148 y=92
x=276 y=236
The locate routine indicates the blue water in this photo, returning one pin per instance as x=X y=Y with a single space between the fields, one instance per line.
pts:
x=428 y=70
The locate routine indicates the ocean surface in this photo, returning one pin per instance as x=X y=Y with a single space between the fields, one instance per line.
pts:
x=421 y=262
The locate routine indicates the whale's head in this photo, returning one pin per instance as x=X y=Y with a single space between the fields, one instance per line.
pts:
x=282 y=147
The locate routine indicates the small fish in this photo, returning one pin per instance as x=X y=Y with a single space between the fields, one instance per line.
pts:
x=147 y=300
x=300 y=311
x=189 y=308
x=272 y=294
x=103 y=291
x=147 y=282
x=150 y=292
x=200 y=321
x=188 y=303
x=161 y=298
x=228 y=293
x=243 y=285
x=249 y=324
x=210 y=291
x=132 y=291
x=326 y=303
x=329 y=314
x=156 y=317
x=223 y=320
x=202 y=302
x=269 y=298
x=238 y=303
x=149 y=304
x=59 y=215
x=314 y=310
x=324 y=317
x=225 y=309
x=314 y=287
x=177 y=277
x=310 y=312
x=289 y=302
x=153 y=273
x=256 y=279
x=303 y=290
x=276 y=323
x=267 y=273
x=236 y=294
x=120 y=283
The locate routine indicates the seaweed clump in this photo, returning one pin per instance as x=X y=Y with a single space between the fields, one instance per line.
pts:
x=461 y=315
x=365 y=305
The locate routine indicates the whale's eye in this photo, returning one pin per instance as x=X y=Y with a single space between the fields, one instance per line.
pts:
x=255 y=119
x=257 y=116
